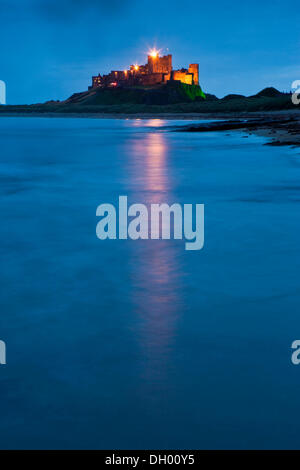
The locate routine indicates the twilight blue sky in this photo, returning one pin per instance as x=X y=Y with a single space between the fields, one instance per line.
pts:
x=50 y=48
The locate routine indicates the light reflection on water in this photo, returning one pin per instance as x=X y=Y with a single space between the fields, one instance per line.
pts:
x=151 y=123
x=156 y=274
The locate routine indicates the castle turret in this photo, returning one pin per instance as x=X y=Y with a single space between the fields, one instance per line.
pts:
x=194 y=69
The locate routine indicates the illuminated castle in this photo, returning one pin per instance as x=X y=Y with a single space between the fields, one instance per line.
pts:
x=158 y=70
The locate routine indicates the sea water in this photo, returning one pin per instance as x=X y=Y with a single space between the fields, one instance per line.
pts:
x=138 y=343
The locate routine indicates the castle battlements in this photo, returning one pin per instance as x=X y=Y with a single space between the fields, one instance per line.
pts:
x=158 y=70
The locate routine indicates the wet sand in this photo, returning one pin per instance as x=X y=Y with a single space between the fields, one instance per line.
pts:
x=282 y=128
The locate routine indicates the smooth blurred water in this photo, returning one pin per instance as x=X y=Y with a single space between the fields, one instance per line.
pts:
x=141 y=344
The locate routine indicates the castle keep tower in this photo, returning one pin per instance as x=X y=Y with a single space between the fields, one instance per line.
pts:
x=158 y=64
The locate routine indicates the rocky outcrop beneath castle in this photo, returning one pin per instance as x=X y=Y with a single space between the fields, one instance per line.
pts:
x=170 y=93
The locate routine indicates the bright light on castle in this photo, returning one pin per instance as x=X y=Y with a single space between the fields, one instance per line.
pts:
x=136 y=67
x=153 y=53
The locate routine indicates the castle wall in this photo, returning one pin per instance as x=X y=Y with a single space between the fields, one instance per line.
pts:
x=96 y=81
x=152 y=79
x=142 y=69
x=117 y=75
x=183 y=77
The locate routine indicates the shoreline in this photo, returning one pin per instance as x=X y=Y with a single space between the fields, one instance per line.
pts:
x=126 y=116
x=281 y=127
x=158 y=115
